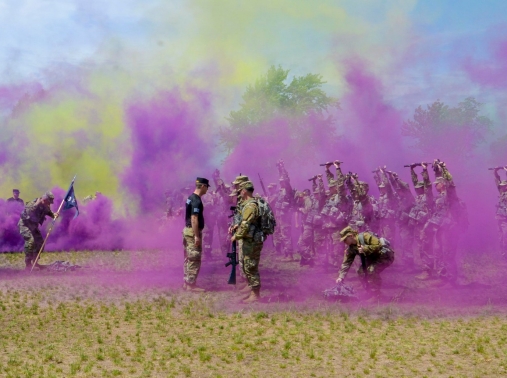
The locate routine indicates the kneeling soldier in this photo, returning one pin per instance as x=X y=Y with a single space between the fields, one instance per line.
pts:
x=376 y=252
x=249 y=231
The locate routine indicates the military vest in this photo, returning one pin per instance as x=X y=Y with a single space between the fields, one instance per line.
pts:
x=501 y=207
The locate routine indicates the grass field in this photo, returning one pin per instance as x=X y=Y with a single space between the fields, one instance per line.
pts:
x=124 y=315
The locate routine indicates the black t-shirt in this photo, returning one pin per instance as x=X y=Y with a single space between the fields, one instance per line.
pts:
x=194 y=207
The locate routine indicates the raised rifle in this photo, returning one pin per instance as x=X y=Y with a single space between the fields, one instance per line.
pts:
x=233 y=255
x=262 y=186
x=496 y=168
x=331 y=163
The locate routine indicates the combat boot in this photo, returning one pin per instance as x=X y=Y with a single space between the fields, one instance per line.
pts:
x=254 y=296
x=192 y=288
x=244 y=290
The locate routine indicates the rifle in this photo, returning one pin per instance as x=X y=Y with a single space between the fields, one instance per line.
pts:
x=233 y=261
x=233 y=256
x=262 y=185
x=496 y=168
x=331 y=163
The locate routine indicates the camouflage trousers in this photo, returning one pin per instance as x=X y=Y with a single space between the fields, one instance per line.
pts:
x=375 y=266
x=406 y=246
x=502 y=228
x=33 y=241
x=438 y=250
x=249 y=262
x=192 y=255
x=282 y=238
x=312 y=242
x=337 y=247
x=239 y=249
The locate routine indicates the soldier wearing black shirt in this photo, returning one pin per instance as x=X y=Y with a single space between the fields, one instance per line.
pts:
x=192 y=235
x=15 y=197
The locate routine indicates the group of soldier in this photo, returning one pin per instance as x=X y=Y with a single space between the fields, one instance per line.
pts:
x=424 y=228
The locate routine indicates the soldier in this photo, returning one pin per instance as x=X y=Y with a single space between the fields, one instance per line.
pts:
x=405 y=203
x=435 y=233
x=33 y=215
x=377 y=257
x=364 y=209
x=236 y=222
x=336 y=210
x=387 y=205
x=283 y=209
x=250 y=233
x=15 y=197
x=313 y=237
x=223 y=203
x=421 y=210
x=501 y=210
x=192 y=235
x=91 y=197
x=211 y=219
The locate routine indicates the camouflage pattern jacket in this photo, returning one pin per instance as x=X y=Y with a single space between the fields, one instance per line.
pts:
x=34 y=214
x=249 y=229
x=371 y=247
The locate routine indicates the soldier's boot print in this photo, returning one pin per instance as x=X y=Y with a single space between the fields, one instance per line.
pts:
x=193 y=288
x=254 y=296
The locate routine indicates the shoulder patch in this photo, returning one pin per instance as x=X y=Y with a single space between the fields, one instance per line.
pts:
x=196 y=209
x=188 y=201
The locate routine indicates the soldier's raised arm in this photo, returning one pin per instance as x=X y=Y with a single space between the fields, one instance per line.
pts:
x=329 y=175
x=413 y=175
x=498 y=180
x=427 y=182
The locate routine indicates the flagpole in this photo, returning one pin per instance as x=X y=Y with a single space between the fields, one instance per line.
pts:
x=52 y=224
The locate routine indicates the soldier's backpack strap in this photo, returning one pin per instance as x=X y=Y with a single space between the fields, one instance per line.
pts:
x=361 y=238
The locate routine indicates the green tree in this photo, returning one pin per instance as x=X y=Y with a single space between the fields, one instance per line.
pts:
x=302 y=105
x=440 y=127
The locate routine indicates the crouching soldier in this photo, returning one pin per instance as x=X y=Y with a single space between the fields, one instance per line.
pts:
x=377 y=256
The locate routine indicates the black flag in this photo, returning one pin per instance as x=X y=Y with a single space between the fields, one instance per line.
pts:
x=70 y=200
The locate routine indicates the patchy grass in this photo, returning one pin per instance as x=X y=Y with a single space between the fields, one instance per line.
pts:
x=95 y=324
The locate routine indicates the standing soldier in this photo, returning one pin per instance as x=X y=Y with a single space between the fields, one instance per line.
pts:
x=405 y=204
x=250 y=232
x=283 y=211
x=387 y=205
x=420 y=211
x=15 y=197
x=211 y=219
x=236 y=222
x=376 y=257
x=33 y=215
x=223 y=203
x=336 y=211
x=192 y=235
x=363 y=211
x=501 y=210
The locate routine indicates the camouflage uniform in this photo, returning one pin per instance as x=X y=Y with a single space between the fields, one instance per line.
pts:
x=252 y=239
x=209 y=202
x=192 y=256
x=386 y=207
x=32 y=216
x=378 y=258
x=237 y=219
x=336 y=212
x=283 y=209
x=405 y=204
x=420 y=212
x=313 y=237
x=501 y=213
x=364 y=209
x=435 y=236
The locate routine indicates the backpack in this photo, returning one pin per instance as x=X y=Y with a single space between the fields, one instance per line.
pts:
x=386 y=245
x=267 y=222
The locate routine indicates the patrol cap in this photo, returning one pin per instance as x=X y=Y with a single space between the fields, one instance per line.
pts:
x=49 y=196
x=201 y=180
x=15 y=190
x=346 y=232
x=243 y=185
x=240 y=179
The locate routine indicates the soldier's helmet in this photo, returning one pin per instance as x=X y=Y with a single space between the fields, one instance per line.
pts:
x=346 y=232
x=49 y=195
